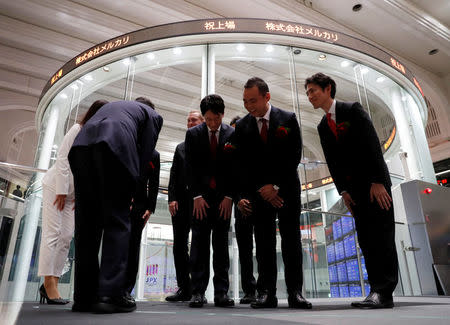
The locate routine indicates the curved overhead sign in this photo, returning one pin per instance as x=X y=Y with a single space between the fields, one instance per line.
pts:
x=228 y=25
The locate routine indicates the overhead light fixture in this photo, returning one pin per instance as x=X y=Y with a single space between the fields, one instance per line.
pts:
x=345 y=64
x=403 y=98
x=88 y=77
x=240 y=47
x=433 y=52
x=150 y=56
x=126 y=61
x=322 y=57
x=269 y=48
x=63 y=96
x=364 y=70
x=297 y=51
x=380 y=79
x=177 y=51
x=357 y=7
x=106 y=68
x=74 y=87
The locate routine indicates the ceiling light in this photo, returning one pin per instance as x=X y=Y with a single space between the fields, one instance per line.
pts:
x=269 y=48
x=433 y=52
x=357 y=7
x=345 y=64
x=177 y=51
x=106 y=68
x=88 y=77
x=403 y=98
x=126 y=61
x=150 y=56
x=322 y=57
x=380 y=79
x=364 y=70
x=74 y=87
x=63 y=96
x=240 y=47
x=297 y=51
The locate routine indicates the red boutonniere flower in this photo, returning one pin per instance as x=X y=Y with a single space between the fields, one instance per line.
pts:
x=282 y=132
x=151 y=165
x=342 y=128
x=228 y=147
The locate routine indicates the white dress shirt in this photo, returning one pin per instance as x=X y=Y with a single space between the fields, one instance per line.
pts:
x=266 y=117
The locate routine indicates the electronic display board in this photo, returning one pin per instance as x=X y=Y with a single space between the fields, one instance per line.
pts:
x=332 y=273
x=331 y=255
x=342 y=272
x=353 y=270
x=355 y=290
x=340 y=252
x=337 y=229
x=350 y=246
x=343 y=291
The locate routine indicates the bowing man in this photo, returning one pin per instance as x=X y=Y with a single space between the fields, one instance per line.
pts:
x=208 y=171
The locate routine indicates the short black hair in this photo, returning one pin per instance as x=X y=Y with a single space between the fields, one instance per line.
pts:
x=145 y=101
x=322 y=80
x=263 y=88
x=92 y=110
x=234 y=120
x=213 y=103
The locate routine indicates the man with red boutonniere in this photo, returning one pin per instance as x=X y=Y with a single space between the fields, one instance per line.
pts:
x=269 y=146
x=353 y=154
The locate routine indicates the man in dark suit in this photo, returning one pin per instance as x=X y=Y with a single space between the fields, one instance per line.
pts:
x=180 y=208
x=208 y=172
x=269 y=145
x=243 y=227
x=353 y=153
x=110 y=155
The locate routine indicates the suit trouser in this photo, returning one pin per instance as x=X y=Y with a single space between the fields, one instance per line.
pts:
x=376 y=237
x=291 y=246
x=57 y=232
x=103 y=190
x=137 y=225
x=244 y=237
x=200 y=250
x=181 y=225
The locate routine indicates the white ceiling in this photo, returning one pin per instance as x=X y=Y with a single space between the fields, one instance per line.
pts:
x=39 y=36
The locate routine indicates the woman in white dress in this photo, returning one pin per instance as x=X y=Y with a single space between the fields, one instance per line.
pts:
x=58 y=214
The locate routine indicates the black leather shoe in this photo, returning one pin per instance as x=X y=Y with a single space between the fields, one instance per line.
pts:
x=180 y=295
x=109 y=305
x=248 y=298
x=129 y=297
x=198 y=300
x=264 y=300
x=82 y=307
x=297 y=301
x=375 y=300
x=222 y=300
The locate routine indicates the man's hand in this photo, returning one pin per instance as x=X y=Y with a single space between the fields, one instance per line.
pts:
x=147 y=215
x=378 y=192
x=245 y=207
x=277 y=202
x=268 y=192
x=173 y=207
x=60 y=201
x=225 y=208
x=200 y=207
x=348 y=201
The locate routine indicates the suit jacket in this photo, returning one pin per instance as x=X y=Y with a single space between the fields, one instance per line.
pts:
x=177 y=181
x=147 y=188
x=276 y=162
x=354 y=159
x=200 y=165
x=129 y=128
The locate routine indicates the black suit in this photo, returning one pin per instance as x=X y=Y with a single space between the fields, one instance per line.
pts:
x=202 y=167
x=355 y=162
x=108 y=157
x=181 y=221
x=144 y=198
x=273 y=163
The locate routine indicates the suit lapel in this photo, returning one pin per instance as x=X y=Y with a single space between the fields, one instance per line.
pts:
x=273 y=123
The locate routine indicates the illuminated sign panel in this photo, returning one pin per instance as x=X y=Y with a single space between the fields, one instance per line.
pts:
x=317 y=183
x=302 y=30
x=56 y=76
x=220 y=25
x=400 y=67
x=418 y=86
x=105 y=47
x=388 y=142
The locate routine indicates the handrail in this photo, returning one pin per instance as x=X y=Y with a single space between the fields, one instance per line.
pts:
x=22 y=167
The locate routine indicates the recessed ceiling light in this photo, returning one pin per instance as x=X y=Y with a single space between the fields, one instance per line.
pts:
x=88 y=77
x=74 y=87
x=403 y=98
x=364 y=70
x=240 y=47
x=297 y=51
x=106 y=68
x=322 y=57
x=357 y=7
x=345 y=64
x=433 y=52
x=150 y=56
x=63 y=96
x=380 y=79
x=269 y=48
x=126 y=61
x=177 y=51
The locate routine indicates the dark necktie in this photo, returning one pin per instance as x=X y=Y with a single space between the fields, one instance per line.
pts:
x=263 y=130
x=213 y=147
x=332 y=124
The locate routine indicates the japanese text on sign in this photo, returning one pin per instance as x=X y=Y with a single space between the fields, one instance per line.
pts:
x=301 y=30
x=56 y=76
x=220 y=25
x=398 y=65
x=105 y=47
